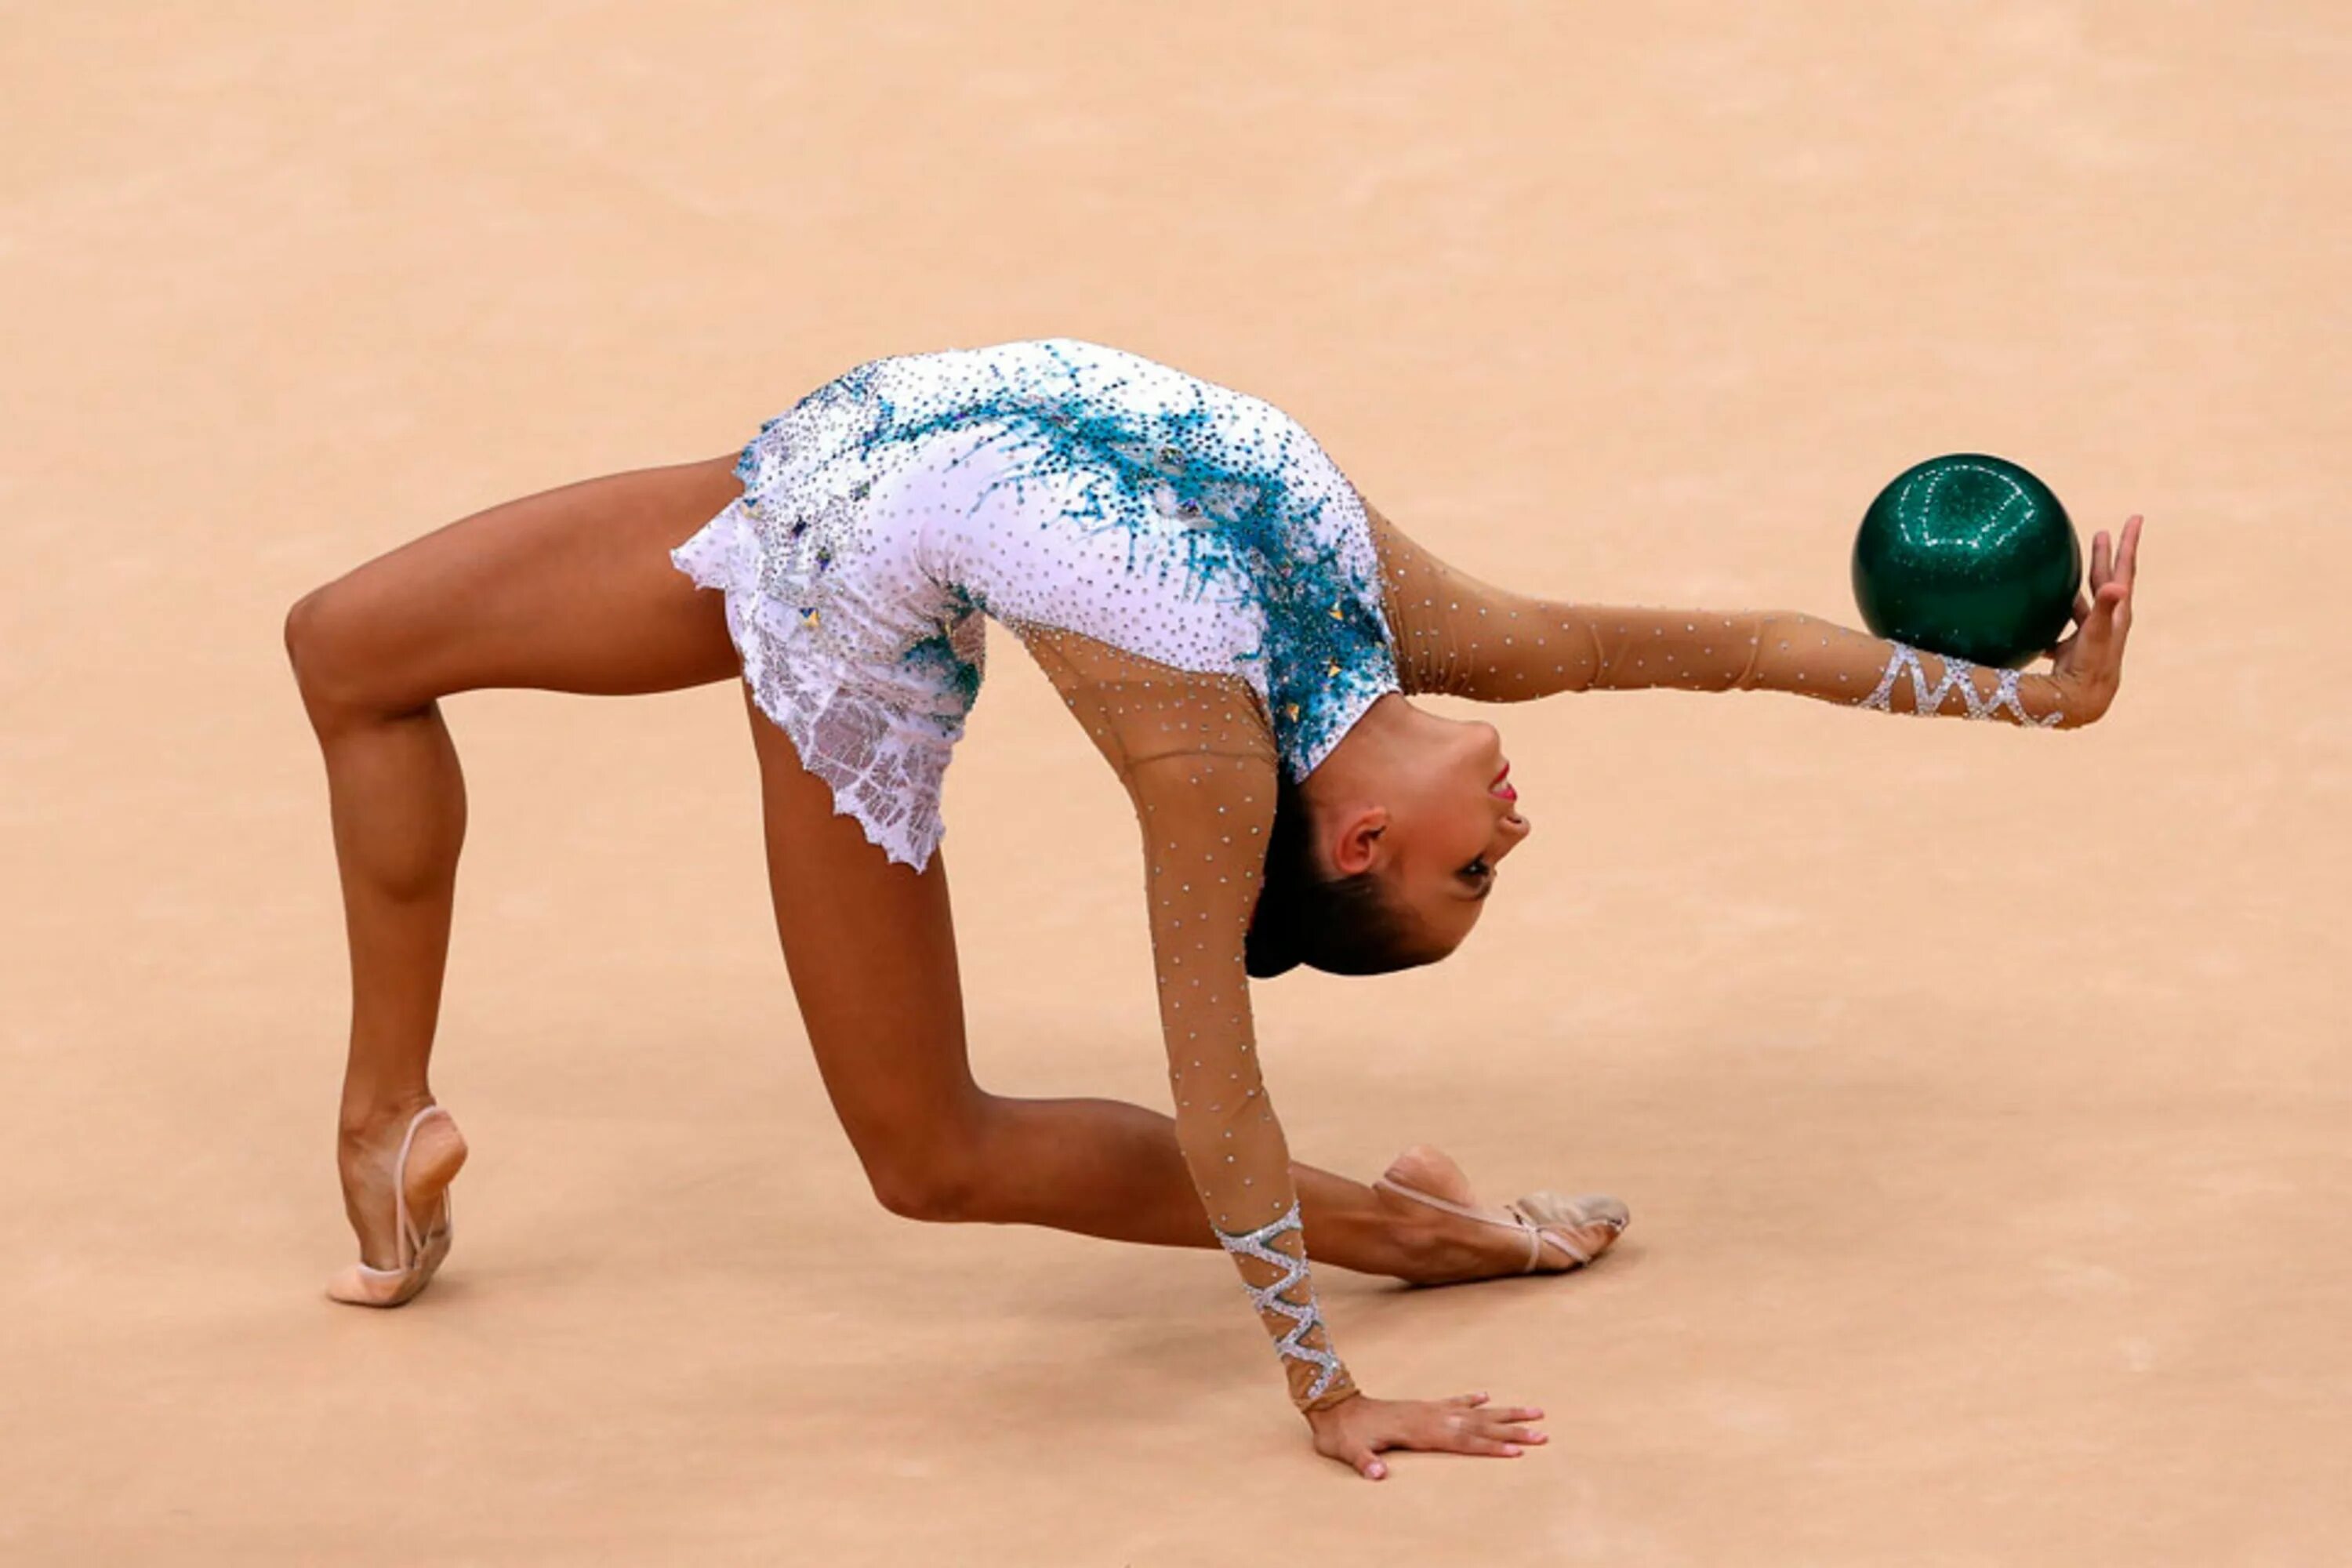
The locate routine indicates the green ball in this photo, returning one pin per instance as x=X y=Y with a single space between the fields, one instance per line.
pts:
x=1970 y=556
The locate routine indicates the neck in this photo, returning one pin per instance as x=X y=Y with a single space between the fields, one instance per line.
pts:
x=1369 y=750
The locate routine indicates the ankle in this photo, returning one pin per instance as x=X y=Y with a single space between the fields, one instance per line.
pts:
x=1443 y=1251
x=366 y=1124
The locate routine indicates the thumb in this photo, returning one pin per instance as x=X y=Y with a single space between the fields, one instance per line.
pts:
x=1368 y=1463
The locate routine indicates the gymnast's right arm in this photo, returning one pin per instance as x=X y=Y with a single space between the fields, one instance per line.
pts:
x=1456 y=634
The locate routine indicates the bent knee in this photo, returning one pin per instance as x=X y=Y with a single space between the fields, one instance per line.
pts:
x=941 y=1186
x=313 y=631
x=325 y=645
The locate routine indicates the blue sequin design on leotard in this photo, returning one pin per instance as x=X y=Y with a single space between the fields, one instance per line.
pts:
x=1248 y=528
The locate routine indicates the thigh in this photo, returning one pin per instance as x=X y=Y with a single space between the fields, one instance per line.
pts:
x=870 y=945
x=569 y=590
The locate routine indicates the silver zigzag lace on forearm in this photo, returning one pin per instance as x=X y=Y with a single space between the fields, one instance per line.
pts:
x=1306 y=1319
x=1959 y=676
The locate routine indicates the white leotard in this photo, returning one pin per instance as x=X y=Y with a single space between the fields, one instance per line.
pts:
x=1055 y=485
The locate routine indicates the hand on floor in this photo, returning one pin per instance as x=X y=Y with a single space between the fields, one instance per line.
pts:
x=1356 y=1431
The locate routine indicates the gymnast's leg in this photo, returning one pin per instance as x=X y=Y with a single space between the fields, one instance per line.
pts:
x=870 y=945
x=572 y=590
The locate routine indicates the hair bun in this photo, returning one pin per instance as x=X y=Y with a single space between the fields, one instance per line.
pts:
x=1272 y=946
x=1340 y=925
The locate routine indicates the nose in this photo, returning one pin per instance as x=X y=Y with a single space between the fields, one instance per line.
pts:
x=1515 y=830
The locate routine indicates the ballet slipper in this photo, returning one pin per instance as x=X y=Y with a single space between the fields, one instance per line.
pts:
x=418 y=1253
x=1541 y=1217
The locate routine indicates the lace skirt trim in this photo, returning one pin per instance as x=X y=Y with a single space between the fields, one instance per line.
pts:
x=883 y=772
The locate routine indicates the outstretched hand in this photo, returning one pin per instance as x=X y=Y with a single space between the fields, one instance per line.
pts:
x=1355 y=1431
x=2088 y=665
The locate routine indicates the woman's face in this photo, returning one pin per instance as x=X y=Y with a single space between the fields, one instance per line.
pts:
x=1435 y=822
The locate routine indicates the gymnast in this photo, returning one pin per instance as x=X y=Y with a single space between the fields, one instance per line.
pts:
x=1239 y=633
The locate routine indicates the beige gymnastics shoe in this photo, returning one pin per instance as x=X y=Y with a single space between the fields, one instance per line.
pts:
x=1547 y=1219
x=419 y=1254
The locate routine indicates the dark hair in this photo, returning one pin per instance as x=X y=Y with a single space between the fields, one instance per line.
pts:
x=1341 y=925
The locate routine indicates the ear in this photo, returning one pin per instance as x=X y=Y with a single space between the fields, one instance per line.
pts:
x=1355 y=841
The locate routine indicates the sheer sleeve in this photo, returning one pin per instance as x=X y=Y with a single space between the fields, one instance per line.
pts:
x=1458 y=636
x=1197 y=756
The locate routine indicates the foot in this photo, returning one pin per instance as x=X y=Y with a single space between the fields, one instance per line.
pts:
x=370 y=1147
x=1472 y=1249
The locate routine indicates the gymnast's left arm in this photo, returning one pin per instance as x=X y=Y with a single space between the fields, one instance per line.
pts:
x=1204 y=818
x=1456 y=634
x=1198 y=759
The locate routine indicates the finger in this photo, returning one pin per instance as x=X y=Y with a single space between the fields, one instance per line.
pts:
x=2099 y=632
x=1515 y=1435
x=1517 y=1413
x=1468 y=1433
x=2100 y=623
x=1484 y=1448
x=1467 y=1400
x=2127 y=557
x=2102 y=562
x=2127 y=574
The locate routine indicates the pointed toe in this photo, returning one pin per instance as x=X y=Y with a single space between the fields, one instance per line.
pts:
x=361 y=1284
x=1555 y=1217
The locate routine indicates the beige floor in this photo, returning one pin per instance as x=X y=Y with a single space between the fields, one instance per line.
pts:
x=1981 y=1097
